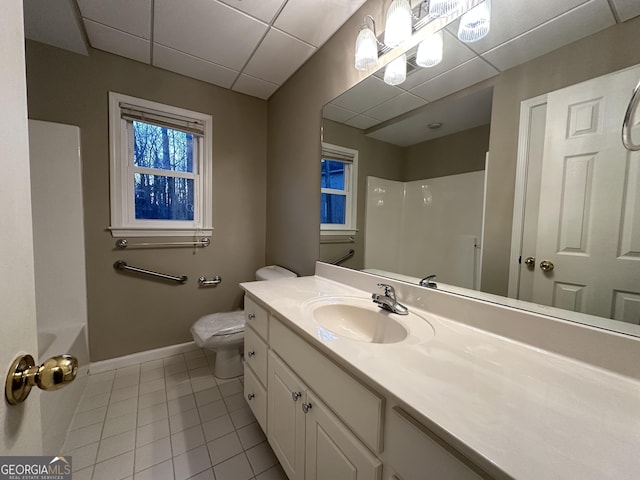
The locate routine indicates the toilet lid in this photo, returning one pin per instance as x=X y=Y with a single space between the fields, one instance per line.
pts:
x=219 y=324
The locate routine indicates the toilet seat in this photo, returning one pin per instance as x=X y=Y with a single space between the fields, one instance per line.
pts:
x=217 y=329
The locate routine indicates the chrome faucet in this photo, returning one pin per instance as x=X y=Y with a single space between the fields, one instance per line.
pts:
x=428 y=282
x=388 y=301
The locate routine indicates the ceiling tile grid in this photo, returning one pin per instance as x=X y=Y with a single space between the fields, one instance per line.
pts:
x=249 y=46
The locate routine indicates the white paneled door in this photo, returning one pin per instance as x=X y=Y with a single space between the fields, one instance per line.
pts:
x=21 y=430
x=589 y=217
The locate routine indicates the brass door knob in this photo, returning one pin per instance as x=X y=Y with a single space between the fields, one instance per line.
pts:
x=530 y=262
x=24 y=374
x=546 y=265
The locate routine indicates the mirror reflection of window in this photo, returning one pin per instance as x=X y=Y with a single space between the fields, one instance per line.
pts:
x=338 y=185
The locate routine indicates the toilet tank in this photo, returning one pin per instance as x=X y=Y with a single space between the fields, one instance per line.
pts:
x=273 y=272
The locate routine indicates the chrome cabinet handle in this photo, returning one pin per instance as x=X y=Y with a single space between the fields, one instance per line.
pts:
x=251 y=354
x=306 y=407
x=252 y=316
x=296 y=396
x=251 y=396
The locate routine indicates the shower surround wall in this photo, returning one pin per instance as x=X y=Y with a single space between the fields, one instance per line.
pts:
x=426 y=227
x=59 y=267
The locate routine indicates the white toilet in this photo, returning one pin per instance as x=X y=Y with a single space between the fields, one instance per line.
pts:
x=224 y=332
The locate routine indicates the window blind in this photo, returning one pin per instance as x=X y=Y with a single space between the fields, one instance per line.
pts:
x=328 y=154
x=185 y=124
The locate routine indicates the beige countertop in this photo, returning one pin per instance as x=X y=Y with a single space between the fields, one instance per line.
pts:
x=530 y=413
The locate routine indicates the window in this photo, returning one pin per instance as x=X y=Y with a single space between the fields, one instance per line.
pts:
x=338 y=186
x=160 y=169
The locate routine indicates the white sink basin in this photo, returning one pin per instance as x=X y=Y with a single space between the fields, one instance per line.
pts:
x=358 y=319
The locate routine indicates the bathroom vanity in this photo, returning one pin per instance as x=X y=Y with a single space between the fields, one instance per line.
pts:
x=457 y=389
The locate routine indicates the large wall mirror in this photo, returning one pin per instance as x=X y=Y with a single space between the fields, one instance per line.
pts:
x=425 y=164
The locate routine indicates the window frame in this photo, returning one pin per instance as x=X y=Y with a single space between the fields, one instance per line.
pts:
x=122 y=195
x=350 y=191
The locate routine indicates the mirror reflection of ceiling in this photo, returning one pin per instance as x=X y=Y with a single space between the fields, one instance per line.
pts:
x=521 y=30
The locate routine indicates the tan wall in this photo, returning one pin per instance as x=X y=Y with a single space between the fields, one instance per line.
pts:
x=294 y=128
x=375 y=158
x=126 y=313
x=610 y=50
x=460 y=152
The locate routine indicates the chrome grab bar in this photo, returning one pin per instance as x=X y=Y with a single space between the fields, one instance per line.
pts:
x=627 y=124
x=344 y=257
x=123 y=243
x=120 y=265
x=203 y=282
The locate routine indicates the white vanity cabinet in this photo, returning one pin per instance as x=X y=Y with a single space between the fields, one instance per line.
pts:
x=310 y=441
x=324 y=423
x=255 y=356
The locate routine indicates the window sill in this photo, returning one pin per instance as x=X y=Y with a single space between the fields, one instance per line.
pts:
x=337 y=233
x=160 y=232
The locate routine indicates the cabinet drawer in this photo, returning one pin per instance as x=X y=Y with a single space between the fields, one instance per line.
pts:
x=357 y=406
x=256 y=316
x=416 y=453
x=256 y=396
x=255 y=354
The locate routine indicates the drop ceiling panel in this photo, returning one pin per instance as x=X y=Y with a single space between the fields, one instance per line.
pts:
x=118 y=42
x=464 y=76
x=56 y=23
x=337 y=114
x=194 y=67
x=455 y=53
x=367 y=94
x=362 y=122
x=264 y=10
x=583 y=21
x=254 y=87
x=627 y=9
x=207 y=29
x=131 y=16
x=277 y=68
x=455 y=116
x=517 y=18
x=403 y=103
x=314 y=21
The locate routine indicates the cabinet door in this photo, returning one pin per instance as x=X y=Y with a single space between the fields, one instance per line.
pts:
x=333 y=452
x=285 y=418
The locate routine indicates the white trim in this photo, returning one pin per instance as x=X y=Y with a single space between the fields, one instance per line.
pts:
x=526 y=107
x=122 y=222
x=351 y=191
x=140 y=357
x=478 y=276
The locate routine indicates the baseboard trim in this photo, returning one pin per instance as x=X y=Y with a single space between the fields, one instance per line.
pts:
x=140 y=357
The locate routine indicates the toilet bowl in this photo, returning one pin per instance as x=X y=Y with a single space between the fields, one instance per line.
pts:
x=224 y=332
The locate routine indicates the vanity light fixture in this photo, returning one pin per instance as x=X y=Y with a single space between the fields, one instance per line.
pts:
x=396 y=71
x=399 y=26
x=430 y=50
x=366 y=46
x=439 y=8
x=475 y=23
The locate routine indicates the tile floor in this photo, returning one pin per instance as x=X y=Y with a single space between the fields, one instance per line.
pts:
x=168 y=419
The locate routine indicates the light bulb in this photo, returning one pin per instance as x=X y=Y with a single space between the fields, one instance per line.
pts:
x=439 y=8
x=366 y=49
x=430 y=50
x=396 y=71
x=475 y=23
x=399 y=25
